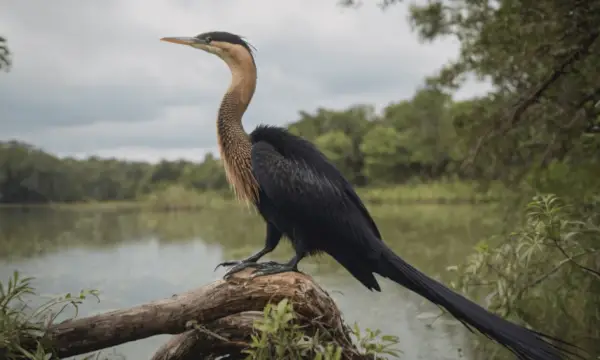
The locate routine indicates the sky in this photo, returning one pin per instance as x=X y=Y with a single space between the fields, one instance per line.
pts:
x=92 y=77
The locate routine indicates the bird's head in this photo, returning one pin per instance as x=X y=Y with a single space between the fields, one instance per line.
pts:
x=229 y=47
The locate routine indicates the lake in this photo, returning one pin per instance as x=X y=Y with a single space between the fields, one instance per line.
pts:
x=134 y=257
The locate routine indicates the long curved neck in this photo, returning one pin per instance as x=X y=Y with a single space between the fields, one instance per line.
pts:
x=234 y=143
x=234 y=104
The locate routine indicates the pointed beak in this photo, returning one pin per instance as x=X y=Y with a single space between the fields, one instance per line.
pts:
x=184 y=40
x=179 y=40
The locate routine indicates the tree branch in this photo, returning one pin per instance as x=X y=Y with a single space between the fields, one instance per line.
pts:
x=232 y=335
x=572 y=260
x=525 y=102
x=223 y=310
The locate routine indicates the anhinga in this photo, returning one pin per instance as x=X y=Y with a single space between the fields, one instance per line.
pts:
x=301 y=194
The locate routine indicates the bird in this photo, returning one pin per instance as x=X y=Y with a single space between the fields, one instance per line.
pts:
x=301 y=195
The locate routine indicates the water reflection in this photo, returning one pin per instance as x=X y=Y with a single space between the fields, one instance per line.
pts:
x=138 y=257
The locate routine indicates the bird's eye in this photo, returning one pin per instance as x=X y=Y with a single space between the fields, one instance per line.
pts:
x=208 y=39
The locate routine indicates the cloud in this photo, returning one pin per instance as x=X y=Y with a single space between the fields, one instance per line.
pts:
x=92 y=78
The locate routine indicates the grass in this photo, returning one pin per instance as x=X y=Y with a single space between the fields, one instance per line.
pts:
x=177 y=197
x=23 y=327
x=433 y=192
x=87 y=205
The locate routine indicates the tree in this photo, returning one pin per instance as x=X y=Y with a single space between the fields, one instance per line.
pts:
x=353 y=123
x=337 y=146
x=386 y=160
x=541 y=58
x=537 y=127
x=208 y=175
x=30 y=175
x=426 y=126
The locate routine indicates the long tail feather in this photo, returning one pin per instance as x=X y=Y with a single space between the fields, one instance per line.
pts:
x=525 y=344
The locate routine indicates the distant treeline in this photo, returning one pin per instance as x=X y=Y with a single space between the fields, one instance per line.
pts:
x=413 y=139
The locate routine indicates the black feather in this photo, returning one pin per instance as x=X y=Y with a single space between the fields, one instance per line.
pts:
x=229 y=38
x=306 y=198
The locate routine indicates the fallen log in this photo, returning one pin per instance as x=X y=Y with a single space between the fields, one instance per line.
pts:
x=223 y=310
x=226 y=336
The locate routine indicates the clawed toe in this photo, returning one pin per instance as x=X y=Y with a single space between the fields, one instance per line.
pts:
x=228 y=263
x=272 y=268
x=262 y=269
x=239 y=267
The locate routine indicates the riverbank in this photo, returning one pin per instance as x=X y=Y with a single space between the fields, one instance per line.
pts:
x=177 y=197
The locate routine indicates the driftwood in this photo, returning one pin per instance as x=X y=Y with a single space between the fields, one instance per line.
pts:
x=224 y=312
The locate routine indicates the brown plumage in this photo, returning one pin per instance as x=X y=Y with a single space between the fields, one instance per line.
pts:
x=234 y=144
x=235 y=147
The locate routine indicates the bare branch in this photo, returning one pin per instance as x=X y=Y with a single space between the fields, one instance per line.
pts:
x=221 y=315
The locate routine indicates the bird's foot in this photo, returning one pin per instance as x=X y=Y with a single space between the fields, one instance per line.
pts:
x=239 y=265
x=272 y=268
x=232 y=263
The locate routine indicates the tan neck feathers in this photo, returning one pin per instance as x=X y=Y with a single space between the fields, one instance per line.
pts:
x=234 y=144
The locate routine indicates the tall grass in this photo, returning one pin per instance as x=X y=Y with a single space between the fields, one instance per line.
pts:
x=435 y=192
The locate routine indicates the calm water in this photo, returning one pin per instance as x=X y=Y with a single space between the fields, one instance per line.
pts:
x=134 y=257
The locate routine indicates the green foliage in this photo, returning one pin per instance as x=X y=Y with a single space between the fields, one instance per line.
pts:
x=178 y=197
x=537 y=132
x=30 y=175
x=339 y=134
x=541 y=59
x=537 y=128
x=278 y=336
x=426 y=127
x=209 y=175
x=337 y=146
x=411 y=140
x=544 y=275
x=385 y=155
x=374 y=344
x=435 y=192
x=22 y=328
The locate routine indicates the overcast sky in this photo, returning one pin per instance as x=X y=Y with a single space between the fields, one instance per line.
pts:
x=92 y=77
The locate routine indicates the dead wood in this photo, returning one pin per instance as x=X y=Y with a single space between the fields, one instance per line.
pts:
x=224 y=310
x=229 y=335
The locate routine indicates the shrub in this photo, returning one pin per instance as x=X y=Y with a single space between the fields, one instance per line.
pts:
x=544 y=275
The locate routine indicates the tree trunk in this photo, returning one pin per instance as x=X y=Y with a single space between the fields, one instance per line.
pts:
x=224 y=310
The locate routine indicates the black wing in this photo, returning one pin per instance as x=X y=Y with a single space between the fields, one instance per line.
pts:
x=317 y=212
x=304 y=154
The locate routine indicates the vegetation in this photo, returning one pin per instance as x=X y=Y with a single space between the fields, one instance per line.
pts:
x=536 y=126
x=279 y=336
x=30 y=175
x=23 y=327
x=439 y=192
x=404 y=143
x=544 y=274
x=535 y=132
